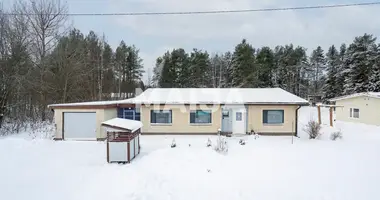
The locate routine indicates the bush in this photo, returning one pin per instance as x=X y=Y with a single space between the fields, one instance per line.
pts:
x=242 y=142
x=174 y=144
x=313 y=128
x=336 y=135
x=208 y=143
x=221 y=145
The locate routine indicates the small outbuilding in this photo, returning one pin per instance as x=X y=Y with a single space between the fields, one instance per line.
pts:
x=123 y=139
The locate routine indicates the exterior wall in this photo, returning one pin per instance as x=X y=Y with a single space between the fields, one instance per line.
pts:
x=101 y=116
x=368 y=110
x=255 y=119
x=180 y=120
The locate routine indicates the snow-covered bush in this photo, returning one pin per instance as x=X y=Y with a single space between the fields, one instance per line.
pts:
x=208 y=144
x=221 y=145
x=336 y=135
x=242 y=142
x=174 y=144
x=313 y=128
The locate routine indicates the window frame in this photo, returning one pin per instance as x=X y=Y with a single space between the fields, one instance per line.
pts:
x=200 y=123
x=155 y=123
x=265 y=122
x=352 y=113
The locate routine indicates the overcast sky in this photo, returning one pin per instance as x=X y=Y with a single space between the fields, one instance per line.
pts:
x=154 y=35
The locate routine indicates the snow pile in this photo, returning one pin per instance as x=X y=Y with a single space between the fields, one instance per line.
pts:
x=30 y=130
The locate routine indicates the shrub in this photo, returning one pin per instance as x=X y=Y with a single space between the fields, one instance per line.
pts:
x=221 y=145
x=336 y=135
x=313 y=128
x=174 y=144
x=242 y=142
x=208 y=144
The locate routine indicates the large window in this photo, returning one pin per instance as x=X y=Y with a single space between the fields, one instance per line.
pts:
x=354 y=113
x=161 y=116
x=273 y=116
x=200 y=117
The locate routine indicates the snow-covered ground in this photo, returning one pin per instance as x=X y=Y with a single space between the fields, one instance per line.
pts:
x=266 y=168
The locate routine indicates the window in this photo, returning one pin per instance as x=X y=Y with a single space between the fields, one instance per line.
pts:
x=239 y=116
x=273 y=116
x=200 y=117
x=129 y=113
x=354 y=113
x=161 y=116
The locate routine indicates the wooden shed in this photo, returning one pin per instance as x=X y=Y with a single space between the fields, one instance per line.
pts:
x=123 y=139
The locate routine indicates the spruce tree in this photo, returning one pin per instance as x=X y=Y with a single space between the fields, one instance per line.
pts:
x=200 y=69
x=265 y=65
x=361 y=57
x=374 y=80
x=330 y=89
x=244 y=73
x=342 y=71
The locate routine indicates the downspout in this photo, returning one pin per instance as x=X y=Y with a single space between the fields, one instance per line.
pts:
x=296 y=124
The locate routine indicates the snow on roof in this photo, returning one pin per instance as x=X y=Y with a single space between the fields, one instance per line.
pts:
x=365 y=94
x=94 y=103
x=218 y=96
x=125 y=124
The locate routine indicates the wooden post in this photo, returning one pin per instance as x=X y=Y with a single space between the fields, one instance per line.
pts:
x=319 y=114
x=331 y=117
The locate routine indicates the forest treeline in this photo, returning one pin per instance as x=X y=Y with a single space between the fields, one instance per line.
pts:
x=44 y=60
x=341 y=70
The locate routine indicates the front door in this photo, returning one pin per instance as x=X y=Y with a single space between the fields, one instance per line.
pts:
x=238 y=121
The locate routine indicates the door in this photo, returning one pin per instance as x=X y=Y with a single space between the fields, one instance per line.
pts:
x=226 y=121
x=79 y=126
x=238 y=121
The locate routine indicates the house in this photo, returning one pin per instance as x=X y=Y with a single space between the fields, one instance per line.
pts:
x=268 y=111
x=271 y=111
x=360 y=108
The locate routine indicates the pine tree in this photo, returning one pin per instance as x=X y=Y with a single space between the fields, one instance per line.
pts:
x=361 y=57
x=244 y=73
x=318 y=64
x=330 y=89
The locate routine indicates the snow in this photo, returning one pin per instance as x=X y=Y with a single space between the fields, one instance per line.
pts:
x=128 y=124
x=218 y=96
x=268 y=168
x=365 y=94
x=204 y=96
x=93 y=103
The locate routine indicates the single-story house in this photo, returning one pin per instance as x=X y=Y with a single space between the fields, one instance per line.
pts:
x=269 y=111
x=360 y=108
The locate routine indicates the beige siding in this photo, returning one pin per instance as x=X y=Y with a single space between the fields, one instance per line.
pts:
x=101 y=116
x=181 y=120
x=255 y=119
x=369 y=110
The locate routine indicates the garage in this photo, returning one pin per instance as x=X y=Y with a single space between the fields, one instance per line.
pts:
x=79 y=125
x=82 y=121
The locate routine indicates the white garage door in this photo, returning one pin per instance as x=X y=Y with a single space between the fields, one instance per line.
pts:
x=79 y=126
